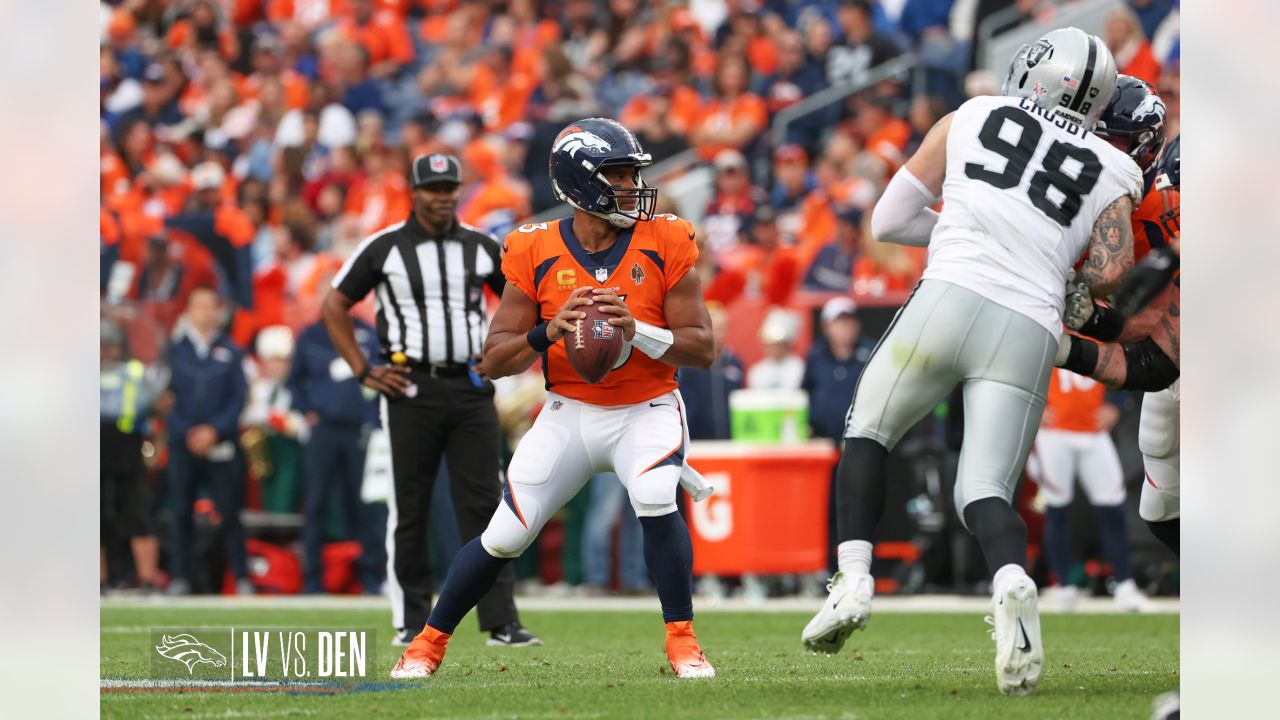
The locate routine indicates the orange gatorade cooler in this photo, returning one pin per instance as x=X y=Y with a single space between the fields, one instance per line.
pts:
x=768 y=515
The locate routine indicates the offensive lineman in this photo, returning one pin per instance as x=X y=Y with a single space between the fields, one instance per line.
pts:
x=614 y=252
x=1143 y=353
x=1028 y=189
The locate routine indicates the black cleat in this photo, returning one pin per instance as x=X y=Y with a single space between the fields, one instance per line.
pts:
x=513 y=634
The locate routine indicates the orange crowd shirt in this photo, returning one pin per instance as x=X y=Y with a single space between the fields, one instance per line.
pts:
x=546 y=263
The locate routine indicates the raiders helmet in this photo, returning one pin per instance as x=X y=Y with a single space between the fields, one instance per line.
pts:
x=1068 y=72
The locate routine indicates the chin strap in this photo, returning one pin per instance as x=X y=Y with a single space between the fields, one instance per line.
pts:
x=652 y=340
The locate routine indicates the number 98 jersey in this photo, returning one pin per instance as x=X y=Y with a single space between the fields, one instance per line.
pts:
x=1022 y=191
x=547 y=263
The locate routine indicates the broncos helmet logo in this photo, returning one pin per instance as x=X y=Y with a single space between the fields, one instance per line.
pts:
x=1151 y=103
x=189 y=651
x=576 y=140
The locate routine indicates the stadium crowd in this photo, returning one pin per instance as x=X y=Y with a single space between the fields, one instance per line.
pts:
x=248 y=146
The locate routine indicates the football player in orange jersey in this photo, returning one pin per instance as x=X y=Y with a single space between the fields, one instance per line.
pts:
x=614 y=252
x=1143 y=352
x=1075 y=442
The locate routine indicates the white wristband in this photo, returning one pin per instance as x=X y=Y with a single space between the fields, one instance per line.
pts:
x=652 y=340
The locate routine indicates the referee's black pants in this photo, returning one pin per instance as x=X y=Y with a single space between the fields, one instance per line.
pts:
x=448 y=416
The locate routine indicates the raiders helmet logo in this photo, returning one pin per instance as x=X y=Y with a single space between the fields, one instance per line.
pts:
x=1041 y=50
x=575 y=140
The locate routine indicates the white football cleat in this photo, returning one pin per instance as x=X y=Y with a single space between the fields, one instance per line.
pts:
x=847 y=608
x=1016 y=621
x=1061 y=598
x=1129 y=598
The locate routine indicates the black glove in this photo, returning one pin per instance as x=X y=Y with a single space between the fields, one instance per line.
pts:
x=1146 y=280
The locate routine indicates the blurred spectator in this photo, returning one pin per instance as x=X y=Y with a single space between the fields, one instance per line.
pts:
x=1170 y=89
x=380 y=197
x=1150 y=13
x=609 y=508
x=158 y=109
x=381 y=34
x=222 y=228
x=885 y=267
x=924 y=113
x=491 y=200
x=734 y=202
x=272 y=428
x=169 y=274
x=706 y=392
x=862 y=48
x=797 y=77
x=759 y=268
x=1165 y=39
x=1128 y=44
x=881 y=131
x=792 y=182
x=208 y=389
x=202 y=25
x=128 y=393
x=339 y=413
x=780 y=368
x=832 y=268
x=733 y=118
x=833 y=366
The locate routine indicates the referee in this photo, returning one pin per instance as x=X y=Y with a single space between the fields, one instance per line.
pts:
x=428 y=274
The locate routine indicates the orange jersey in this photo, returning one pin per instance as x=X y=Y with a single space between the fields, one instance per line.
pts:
x=1150 y=228
x=546 y=263
x=1074 y=402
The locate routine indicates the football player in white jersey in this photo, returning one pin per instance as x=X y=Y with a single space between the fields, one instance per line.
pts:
x=1028 y=190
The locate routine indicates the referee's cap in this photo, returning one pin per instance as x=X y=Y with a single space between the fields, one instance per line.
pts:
x=435 y=168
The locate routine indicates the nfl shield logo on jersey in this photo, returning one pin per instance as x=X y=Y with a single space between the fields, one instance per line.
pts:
x=602 y=330
x=602 y=274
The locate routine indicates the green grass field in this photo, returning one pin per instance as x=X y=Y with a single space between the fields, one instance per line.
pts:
x=610 y=664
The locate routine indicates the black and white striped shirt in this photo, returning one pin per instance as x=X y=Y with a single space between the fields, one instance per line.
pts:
x=429 y=289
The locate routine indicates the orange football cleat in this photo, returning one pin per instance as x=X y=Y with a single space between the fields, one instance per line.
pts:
x=423 y=656
x=683 y=653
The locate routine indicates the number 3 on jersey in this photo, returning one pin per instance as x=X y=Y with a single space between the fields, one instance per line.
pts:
x=1053 y=174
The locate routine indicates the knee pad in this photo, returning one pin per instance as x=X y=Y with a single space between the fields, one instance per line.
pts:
x=1158 y=427
x=1161 y=501
x=508 y=535
x=654 y=493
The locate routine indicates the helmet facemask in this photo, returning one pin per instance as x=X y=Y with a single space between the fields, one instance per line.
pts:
x=621 y=206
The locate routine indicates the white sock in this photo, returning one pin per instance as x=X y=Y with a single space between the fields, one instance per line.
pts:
x=854 y=557
x=1007 y=573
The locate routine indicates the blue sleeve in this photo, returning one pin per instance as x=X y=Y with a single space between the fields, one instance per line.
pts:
x=227 y=420
x=297 y=387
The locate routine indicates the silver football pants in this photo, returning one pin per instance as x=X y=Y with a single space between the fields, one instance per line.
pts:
x=944 y=336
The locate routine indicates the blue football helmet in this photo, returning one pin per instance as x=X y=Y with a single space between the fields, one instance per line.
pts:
x=1134 y=121
x=579 y=155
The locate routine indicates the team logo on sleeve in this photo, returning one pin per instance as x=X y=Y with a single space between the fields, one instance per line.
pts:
x=576 y=139
x=637 y=274
x=602 y=330
x=189 y=651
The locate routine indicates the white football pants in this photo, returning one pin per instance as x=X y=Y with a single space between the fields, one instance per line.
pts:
x=1158 y=439
x=645 y=444
x=1062 y=456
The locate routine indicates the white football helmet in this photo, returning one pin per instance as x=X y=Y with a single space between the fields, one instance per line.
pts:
x=1068 y=72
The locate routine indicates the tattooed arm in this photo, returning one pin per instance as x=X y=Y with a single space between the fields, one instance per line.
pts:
x=1110 y=249
x=1149 y=364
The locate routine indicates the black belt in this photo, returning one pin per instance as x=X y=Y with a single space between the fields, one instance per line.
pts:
x=436 y=370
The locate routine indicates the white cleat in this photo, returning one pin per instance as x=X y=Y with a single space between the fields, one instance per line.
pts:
x=1129 y=598
x=1019 y=652
x=1060 y=598
x=847 y=608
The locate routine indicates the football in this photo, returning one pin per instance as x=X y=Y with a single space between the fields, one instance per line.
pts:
x=594 y=345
